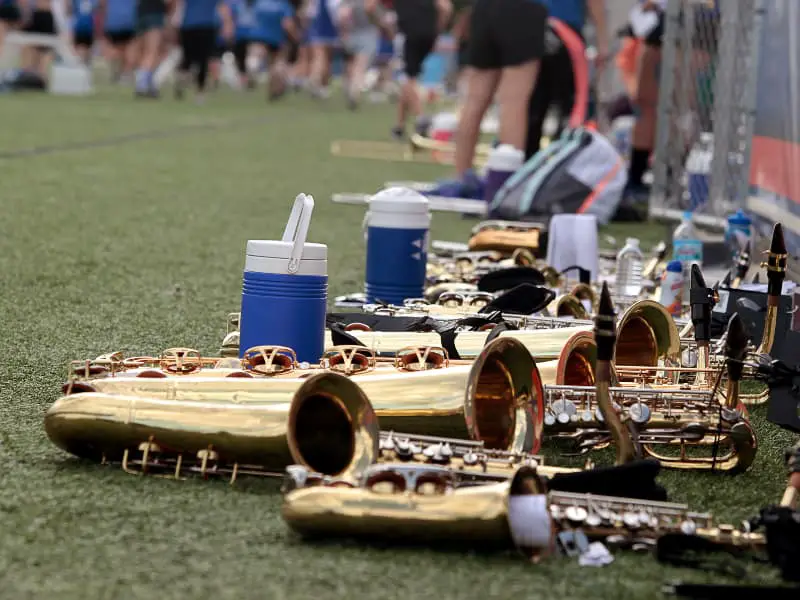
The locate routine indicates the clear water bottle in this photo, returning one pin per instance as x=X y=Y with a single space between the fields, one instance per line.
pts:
x=630 y=262
x=687 y=247
x=737 y=232
x=698 y=170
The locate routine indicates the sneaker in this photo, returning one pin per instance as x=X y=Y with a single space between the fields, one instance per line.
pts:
x=398 y=135
x=422 y=125
x=469 y=187
x=352 y=102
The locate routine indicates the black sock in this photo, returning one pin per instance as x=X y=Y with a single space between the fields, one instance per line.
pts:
x=640 y=160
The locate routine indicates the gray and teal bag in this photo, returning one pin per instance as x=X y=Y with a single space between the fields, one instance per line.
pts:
x=580 y=173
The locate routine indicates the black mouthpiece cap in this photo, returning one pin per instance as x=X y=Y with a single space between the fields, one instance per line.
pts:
x=776 y=262
x=605 y=326
x=701 y=298
x=735 y=347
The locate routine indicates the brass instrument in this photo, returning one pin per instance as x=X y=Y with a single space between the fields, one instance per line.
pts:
x=776 y=273
x=324 y=422
x=646 y=333
x=235 y=424
x=495 y=399
x=397 y=502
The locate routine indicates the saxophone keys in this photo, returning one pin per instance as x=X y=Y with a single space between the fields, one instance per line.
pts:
x=549 y=419
x=576 y=514
x=587 y=416
x=688 y=527
x=631 y=520
x=639 y=413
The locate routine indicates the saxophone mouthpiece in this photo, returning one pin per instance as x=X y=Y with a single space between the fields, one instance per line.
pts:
x=726 y=281
x=702 y=301
x=744 y=260
x=776 y=262
x=605 y=327
x=660 y=251
x=735 y=347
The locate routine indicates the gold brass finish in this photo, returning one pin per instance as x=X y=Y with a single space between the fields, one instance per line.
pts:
x=324 y=422
x=427 y=505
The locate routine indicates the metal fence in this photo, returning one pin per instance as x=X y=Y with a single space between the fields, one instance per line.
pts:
x=707 y=85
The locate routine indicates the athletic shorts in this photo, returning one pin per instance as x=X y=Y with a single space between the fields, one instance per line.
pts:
x=9 y=13
x=84 y=38
x=364 y=42
x=220 y=48
x=150 y=20
x=41 y=22
x=416 y=48
x=506 y=33
x=120 y=37
x=322 y=30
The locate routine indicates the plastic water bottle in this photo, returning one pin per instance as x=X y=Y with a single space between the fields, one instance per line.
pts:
x=397 y=222
x=698 y=170
x=502 y=163
x=672 y=284
x=621 y=134
x=285 y=290
x=738 y=231
x=687 y=247
x=630 y=262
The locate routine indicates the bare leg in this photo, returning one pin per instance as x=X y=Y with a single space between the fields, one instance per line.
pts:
x=151 y=42
x=481 y=85
x=513 y=97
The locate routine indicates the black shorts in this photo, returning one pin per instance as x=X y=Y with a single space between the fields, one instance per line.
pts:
x=41 y=22
x=506 y=33
x=220 y=48
x=416 y=48
x=84 y=38
x=9 y=13
x=120 y=37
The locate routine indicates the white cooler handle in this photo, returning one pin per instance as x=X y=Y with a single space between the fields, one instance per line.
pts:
x=297 y=229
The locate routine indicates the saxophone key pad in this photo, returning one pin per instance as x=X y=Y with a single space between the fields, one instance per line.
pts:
x=688 y=527
x=576 y=514
x=639 y=413
x=549 y=419
x=631 y=520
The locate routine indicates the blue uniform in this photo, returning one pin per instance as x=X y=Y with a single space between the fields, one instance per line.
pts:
x=83 y=16
x=243 y=18
x=323 y=30
x=571 y=12
x=269 y=16
x=120 y=16
x=199 y=14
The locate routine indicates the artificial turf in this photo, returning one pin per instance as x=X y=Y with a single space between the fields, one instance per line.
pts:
x=137 y=243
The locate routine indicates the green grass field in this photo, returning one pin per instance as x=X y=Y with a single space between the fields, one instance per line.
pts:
x=138 y=245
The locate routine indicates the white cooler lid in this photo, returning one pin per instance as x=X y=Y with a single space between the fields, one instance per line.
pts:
x=400 y=200
x=279 y=249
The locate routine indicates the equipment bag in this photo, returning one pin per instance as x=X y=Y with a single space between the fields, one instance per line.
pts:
x=579 y=173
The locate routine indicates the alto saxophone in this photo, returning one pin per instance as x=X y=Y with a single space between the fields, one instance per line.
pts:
x=398 y=502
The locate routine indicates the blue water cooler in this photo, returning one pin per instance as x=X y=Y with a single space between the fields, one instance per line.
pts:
x=285 y=290
x=397 y=230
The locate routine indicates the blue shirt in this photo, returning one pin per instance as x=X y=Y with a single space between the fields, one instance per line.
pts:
x=199 y=13
x=83 y=14
x=120 y=15
x=243 y=17
x=571 y=12
x=269 y=20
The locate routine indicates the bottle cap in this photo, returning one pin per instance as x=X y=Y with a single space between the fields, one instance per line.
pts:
x=674 y=266
x=632 y=242
x=687 y=215
x=739 y=218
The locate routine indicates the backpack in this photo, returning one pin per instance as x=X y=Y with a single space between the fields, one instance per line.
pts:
x=579 y=173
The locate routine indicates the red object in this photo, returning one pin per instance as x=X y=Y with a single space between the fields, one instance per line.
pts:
x=580 y=68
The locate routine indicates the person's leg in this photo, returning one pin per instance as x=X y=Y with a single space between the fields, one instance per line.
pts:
x=151 y=40
x=277 y=56
x=416 y=48
x=186 y=38
x=540 y=102
x=133 y=50
x=646 y=101
x=206 y=39
x=240 y=49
